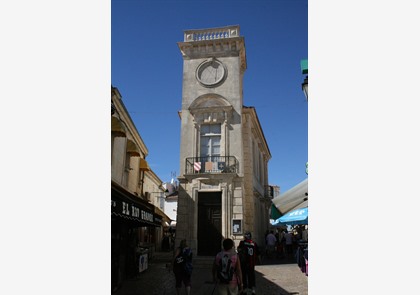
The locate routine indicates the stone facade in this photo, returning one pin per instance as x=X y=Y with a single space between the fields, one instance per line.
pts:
x=223 y=155
x=135 y=220
x=127 y=147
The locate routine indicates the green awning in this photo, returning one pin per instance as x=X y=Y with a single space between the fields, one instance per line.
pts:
x=275 y=213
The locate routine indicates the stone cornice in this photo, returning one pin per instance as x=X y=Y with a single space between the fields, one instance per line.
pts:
x=209 y=48
x=123 y=115
x=215 y=48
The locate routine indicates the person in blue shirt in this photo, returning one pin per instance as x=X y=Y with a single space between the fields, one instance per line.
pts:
x=182 y=267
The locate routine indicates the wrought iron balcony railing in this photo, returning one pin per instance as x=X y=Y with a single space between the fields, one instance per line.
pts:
x=213 y=164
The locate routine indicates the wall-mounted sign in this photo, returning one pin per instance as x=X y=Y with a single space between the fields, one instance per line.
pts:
x=134 y=211
x=237 y=226
x=205 y=186
x=143 y=262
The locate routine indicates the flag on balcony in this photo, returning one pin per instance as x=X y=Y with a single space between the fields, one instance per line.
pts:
x=221 y=165
x=197 y=166
x=209 y=166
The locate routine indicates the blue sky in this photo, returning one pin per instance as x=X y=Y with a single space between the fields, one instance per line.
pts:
x=146 y=67
x=56 y=66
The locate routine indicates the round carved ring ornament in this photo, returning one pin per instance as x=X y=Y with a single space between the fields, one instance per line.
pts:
x=211 y=73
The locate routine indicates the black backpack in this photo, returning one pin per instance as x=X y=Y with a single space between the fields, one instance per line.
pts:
x=225 y=269
x=182 y=261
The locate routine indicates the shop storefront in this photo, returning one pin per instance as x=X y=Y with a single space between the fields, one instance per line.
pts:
x=133 y=234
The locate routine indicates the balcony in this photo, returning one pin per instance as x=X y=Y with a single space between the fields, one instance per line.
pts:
x=211 y=34
x=211 y=165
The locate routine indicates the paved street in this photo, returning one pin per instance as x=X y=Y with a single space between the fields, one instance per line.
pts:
x=273 y=277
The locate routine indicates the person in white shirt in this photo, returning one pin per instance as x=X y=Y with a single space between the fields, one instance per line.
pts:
x=271 y=241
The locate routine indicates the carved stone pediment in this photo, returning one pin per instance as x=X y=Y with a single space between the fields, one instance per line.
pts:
x=209 y=101
x=210 y=108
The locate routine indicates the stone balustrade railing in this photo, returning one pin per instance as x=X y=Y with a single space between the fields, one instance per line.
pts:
x=211 y=34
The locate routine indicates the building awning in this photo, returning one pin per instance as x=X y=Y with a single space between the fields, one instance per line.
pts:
x=117 y=127
x=300 y=206
x=292 y=198
x=294 y=217
x=144 y=166
x=132 y=148
x=132 y=209
x=275 y=213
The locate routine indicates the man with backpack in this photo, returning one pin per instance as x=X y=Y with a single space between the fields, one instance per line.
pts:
x=182 y=267
x=227 y=272
x=249 y=252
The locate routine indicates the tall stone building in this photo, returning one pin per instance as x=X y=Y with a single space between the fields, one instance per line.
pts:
x=223 y=189
x=135 y=220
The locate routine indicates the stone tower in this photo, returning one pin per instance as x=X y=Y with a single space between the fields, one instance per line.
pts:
x=213 y=149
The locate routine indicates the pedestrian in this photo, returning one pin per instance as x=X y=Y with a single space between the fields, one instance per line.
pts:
x=227 y=272
x=165 y=243
x=265 y=240
x=305 y=234
x=289 y=242
x=271 y=242
x=182 y=267
x=249 y=252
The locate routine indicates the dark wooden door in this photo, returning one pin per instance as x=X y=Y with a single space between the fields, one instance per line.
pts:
x=209 y=223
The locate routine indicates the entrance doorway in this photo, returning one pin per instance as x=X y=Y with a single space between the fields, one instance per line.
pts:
x=209 y=236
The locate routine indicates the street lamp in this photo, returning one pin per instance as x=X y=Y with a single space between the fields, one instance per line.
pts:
x=304 y=69
x=305 y=87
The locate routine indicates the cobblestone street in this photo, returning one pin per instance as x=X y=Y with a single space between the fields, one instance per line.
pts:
x=273 y=277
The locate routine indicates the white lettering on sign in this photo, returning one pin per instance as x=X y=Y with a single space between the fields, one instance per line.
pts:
x=135 y=211
x=125 y=208
x=300 y=212
x=146 y=216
